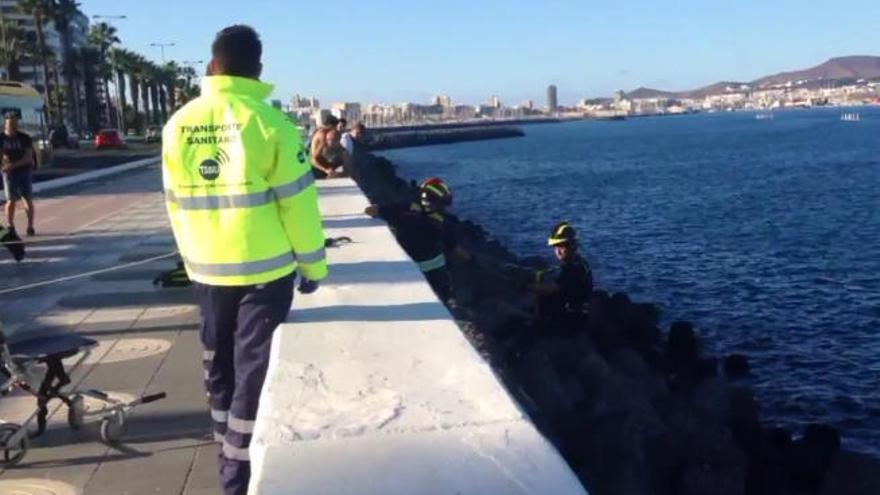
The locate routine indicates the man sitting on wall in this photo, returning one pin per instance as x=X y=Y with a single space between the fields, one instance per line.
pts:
x=326 y=151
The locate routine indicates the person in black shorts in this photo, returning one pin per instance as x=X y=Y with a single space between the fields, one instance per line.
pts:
x=17 y=161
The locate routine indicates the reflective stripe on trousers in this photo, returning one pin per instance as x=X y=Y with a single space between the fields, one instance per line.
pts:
x=236 y=369
x=434 y=263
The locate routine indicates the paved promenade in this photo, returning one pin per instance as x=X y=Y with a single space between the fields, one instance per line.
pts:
x=148 y=343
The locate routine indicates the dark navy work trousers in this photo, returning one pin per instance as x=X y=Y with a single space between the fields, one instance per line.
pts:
x=237 y=328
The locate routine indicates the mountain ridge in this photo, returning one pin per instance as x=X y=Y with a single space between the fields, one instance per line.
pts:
x=848 y=68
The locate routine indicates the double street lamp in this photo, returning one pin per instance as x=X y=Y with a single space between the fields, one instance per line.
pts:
x=162 y=46
x=193 y=64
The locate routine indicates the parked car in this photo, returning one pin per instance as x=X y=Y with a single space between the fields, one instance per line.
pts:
x=60 y=138
x=109 y=138
x=153 y=134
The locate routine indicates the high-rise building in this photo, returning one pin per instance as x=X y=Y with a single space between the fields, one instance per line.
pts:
x=442 y=101
x=552 y=102
x=350 y=111
x=302 y=102
x=494 y=102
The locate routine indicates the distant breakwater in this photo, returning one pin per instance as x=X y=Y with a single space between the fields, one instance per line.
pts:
x=385 y=139
x=467 y=124
x=632 y=408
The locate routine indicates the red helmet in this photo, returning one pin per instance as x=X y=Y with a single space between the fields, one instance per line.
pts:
x=435 y=191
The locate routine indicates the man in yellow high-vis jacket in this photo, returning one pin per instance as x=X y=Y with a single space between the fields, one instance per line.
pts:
x=243 y=206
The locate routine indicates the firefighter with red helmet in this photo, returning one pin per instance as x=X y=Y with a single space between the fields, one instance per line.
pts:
x=420 y=228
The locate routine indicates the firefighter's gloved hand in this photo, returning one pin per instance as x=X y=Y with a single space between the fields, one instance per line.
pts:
x=307 y=286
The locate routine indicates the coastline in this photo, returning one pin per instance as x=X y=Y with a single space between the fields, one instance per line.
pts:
x=633 y=409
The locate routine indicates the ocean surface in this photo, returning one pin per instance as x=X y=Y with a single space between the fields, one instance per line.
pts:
x=764 y=233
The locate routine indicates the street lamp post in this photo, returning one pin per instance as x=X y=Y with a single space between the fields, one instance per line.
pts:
x=119 y=118
x=162 y=47
x=192 y=71
x=192 y=64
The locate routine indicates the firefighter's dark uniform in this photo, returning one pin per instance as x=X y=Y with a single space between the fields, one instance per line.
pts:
x=564 y=311
x=424 y=236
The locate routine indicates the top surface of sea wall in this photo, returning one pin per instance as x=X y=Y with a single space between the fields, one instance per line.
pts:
x=373 y=389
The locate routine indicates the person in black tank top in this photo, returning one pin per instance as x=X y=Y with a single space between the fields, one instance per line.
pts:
x=17 y=161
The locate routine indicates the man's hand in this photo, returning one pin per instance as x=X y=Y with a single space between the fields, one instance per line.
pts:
x=372 y=210
x=307 y=286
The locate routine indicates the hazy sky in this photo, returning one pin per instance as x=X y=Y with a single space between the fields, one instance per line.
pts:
x=395 y=51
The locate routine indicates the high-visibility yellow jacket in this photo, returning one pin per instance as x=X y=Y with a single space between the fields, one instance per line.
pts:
x=238 y=188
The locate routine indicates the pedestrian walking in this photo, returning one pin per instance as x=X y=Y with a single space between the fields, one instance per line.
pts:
x=17 y=162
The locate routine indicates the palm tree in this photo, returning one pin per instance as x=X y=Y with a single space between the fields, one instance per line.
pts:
x=171 y=73
x=155 y=76
x=18 y=46
x=124 y=61
x=41 y=10
x=64 y=13
x=56 y=97
x=103 y=36
x=135 y=78
x=187 y=91
x=88 y=59
x=188 y=73
x=145 y=90
x=152 y=77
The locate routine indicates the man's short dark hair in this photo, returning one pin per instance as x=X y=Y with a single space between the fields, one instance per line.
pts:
x=237 y=51
x=343 y=121
x=331 y=120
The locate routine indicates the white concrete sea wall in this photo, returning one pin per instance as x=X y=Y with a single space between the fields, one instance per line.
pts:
x=373 y=390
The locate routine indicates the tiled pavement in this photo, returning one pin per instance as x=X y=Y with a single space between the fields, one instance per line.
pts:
x=148 y=343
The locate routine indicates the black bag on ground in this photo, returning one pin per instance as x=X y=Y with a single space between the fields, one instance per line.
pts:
x=176 y=277
x=13 y=242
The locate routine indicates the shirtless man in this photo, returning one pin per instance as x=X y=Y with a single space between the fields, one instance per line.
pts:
x=321 y=151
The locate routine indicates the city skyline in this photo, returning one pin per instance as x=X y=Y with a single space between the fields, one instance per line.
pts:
x=397 y=53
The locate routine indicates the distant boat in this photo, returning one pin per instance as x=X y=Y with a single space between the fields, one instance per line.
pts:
x=611 y=117
x=764 y=116
x=850 y=117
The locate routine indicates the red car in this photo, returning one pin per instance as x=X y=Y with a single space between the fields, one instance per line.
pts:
x=109 y=138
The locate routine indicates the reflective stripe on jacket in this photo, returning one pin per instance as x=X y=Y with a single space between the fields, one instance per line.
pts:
x=238 y=189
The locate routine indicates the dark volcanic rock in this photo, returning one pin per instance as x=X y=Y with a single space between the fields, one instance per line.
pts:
x=631 y=413
x=811 y=457
x=736 y=366
x=682 y=347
